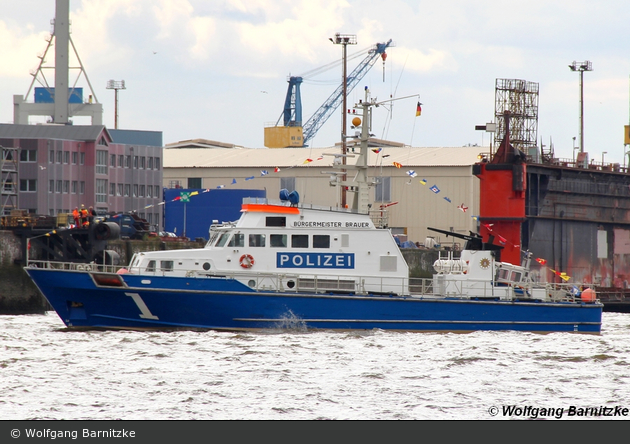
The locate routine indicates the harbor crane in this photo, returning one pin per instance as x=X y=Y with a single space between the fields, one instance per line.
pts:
x=292 y=133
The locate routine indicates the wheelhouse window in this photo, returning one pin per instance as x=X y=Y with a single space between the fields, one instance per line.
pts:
x=223 y=238
x=278 y=240
x=256 y=240
x=166 y=265
x=321 y=241
x=275 y=221
x=299 y=241
x=151 y=266
x=238 y=240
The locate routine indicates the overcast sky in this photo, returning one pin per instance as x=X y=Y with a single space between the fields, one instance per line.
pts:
x=218 y=69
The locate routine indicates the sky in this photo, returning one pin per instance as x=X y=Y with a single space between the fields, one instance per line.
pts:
x=218 y=69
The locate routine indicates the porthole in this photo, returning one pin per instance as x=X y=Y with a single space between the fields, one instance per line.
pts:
x=206 y=266
x=290 y=284
x=252 y=283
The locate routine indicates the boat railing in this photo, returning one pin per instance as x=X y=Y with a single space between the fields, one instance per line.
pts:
x=354 y=284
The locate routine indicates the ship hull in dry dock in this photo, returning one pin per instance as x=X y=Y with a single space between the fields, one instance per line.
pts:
x=82 y=301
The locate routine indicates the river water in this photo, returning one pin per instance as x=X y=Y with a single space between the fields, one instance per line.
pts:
x=48 y=372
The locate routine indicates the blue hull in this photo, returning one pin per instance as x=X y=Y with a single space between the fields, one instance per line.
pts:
x=224 y=304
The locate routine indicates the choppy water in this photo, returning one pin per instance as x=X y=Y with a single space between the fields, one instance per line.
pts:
x=47 y=372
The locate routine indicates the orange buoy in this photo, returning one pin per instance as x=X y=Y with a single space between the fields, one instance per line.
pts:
x=588 y=295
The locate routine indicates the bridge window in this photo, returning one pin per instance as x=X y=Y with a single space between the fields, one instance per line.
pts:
x=278 y=240
x=256 y=240
x=238 y=240
x=299 y=241
x=321 y=241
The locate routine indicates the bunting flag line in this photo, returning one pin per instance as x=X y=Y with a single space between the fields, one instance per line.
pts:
x=435 y=189
x=411 y=173
x=276 y=170
x=249 y=178
x=233 y=181
x=462 y=207
x=541 y=261
x=264 y=172
x=423 y=181
x=447 y=199
x=502 y=240
x=396 y=164
x=377 y=150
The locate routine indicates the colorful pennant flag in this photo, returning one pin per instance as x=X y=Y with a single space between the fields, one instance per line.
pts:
x=447 y=199
x=423 y=181
x=541 y=261
x=418 y=109
x=233 y=181
x=264 y=172
x=488 y=227
x=249 y=178
x=377 y=150
x=397 y=165
x=411 y=173
x=462 y=207
x=502 y=240
x=276 y=170
x=435 y=189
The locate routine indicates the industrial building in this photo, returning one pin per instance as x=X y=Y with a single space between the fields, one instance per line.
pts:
x=403 y=179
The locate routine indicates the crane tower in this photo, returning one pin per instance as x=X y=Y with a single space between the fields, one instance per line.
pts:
x=292 y=133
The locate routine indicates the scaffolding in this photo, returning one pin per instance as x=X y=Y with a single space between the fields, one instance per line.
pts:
x=9 y=177
x=520 y=98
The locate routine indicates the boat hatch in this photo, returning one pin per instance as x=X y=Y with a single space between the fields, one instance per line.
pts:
x=325 y=284
x=108 y=280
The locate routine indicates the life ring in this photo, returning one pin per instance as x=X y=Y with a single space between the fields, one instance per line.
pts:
x=246 y=261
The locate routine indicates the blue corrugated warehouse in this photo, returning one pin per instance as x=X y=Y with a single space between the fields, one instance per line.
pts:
x=200 y=209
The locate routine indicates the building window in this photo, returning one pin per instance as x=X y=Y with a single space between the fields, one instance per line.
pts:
x=382 y=190
x=135 y=190
x=150 y=163
x=156 y=193
x=59 y=156
x=51 y=186
x=51 y=156
x=127 y=189
x=149 y=191
x=66 y=186
x=101 y=162
x=112 y=189
x=157 y=163
x=121 y=160
x=112 y=161
x=75 y=155
x=59 y=185
x=82 y=158
x=82 y=187
x=142 y=162
x=142 y=190
x=28 y=185
x=28 y=156
x=287 y=183
x=66 y=157
x=74 y=186
x=127 y=161
x=135 y=162
x=194 y=182
x=101 y=190
x=119 y=190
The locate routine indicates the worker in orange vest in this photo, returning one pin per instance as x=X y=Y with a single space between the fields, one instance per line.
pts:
x=84 y=215
x=76 y=216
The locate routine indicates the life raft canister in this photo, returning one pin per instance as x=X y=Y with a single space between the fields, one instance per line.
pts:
x=246 y=261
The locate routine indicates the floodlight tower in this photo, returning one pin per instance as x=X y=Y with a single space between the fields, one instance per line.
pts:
x=581 y=67
x=344 y=40
x=116 y=85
